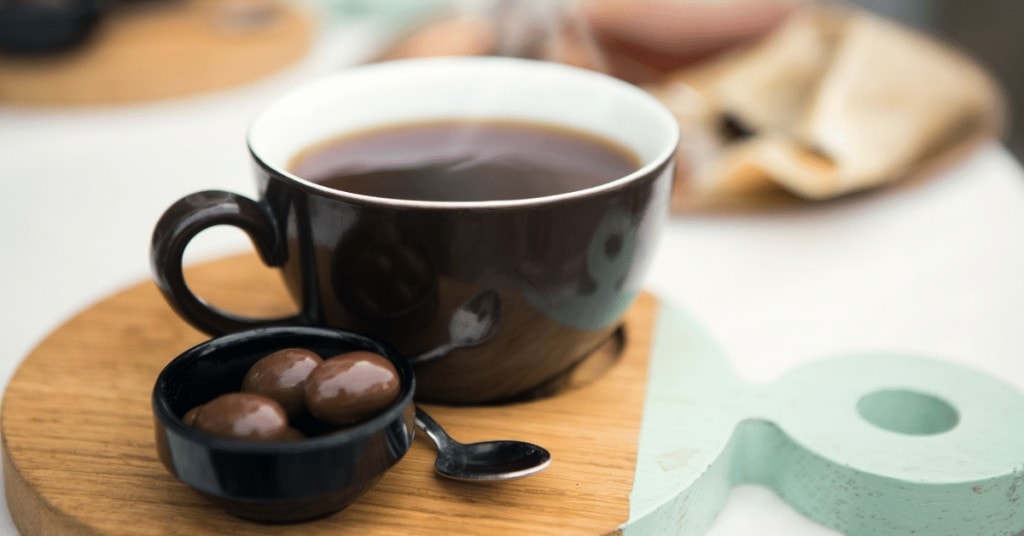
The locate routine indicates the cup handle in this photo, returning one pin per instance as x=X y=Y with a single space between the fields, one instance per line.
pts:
x=186 y=218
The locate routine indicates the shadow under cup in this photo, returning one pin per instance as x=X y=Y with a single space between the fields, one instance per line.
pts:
x=488 y=299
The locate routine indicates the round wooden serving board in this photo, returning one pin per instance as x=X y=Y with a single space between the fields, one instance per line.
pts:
x=646 y=440
x=79 y=455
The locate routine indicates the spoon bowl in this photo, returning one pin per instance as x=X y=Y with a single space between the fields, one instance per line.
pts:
x=493 y=460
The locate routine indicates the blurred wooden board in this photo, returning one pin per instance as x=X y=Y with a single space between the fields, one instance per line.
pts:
x=156 y=49
x=79 y=454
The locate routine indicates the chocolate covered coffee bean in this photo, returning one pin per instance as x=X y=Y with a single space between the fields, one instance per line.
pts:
x=351 y=387
x=189 y=418
x=247 y=416
x=292 y=434
x=282 y=376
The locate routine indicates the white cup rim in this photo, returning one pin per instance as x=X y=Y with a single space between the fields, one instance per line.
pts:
x=479 y=68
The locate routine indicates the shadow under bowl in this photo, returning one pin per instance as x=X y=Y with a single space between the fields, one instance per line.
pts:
x=285 y=481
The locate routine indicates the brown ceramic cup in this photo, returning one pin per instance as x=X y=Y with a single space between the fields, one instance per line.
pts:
x=487 y=299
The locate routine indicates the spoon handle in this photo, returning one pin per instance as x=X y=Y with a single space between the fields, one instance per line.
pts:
x=433 y=354
x=433 y=430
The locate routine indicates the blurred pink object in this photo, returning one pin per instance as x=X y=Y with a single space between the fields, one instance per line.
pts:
x=644 y=39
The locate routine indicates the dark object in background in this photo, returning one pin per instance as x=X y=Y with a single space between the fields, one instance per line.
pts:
x=42 y=26
x=988 y=30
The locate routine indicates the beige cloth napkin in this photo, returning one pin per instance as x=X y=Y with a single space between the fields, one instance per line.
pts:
x=835 y=101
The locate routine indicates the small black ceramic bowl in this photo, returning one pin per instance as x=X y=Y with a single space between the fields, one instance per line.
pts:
x=279 y=481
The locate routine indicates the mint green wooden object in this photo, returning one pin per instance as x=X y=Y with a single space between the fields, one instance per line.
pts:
x=868 y=444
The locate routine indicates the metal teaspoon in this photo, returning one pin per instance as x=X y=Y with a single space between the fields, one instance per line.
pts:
x=487 y=460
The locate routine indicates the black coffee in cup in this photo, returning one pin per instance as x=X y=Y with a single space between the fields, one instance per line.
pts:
x=462 y=160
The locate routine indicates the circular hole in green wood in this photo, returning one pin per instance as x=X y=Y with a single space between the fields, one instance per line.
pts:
x=908 y=412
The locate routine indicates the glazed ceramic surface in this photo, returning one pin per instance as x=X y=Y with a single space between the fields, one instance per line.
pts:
x=562 y=269
x=275 y=481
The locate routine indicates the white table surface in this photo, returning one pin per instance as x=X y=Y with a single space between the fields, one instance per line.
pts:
x=933 y=270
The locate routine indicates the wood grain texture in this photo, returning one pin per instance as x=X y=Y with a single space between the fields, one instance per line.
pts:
x=148 y=51
x=79 y=456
